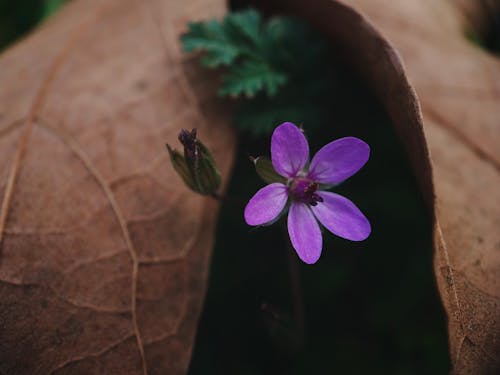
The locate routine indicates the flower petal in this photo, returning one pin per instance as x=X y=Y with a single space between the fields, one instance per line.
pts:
x=266 y=204
x=341 y=217
x=339 y=160
x=304 y=232
x=289 y=149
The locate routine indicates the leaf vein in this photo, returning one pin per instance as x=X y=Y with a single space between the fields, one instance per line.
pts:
x=75 y=148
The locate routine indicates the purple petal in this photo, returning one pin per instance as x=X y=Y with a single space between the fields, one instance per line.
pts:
x=304 y=232
x=341 y=217
x=339 y=160
x=289 y=149
x=266 y=204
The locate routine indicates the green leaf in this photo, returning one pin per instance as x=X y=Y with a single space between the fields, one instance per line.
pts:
x=244 y=27
x=239 y=43
x=51 y=6
x=211 y=38
x=278 y=69
x=250 y=78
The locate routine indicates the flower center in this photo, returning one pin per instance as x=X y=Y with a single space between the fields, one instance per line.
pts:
x=304 y=190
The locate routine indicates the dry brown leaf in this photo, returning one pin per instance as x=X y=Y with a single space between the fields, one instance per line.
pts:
x=87 y=195
x=104 y=253
x=454 y=150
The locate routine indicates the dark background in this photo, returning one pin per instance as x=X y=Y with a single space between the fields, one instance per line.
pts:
x=370 y=307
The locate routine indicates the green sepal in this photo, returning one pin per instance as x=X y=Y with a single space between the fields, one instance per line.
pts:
x=181 y=167
x=205 y=173
x=264 y=168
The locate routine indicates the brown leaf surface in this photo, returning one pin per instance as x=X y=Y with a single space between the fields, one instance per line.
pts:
x=104 y=253
x=454 y=149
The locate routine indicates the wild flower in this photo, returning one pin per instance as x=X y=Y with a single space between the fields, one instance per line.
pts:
x=302 y=191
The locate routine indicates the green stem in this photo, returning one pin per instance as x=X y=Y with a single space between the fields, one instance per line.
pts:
x=296 y=292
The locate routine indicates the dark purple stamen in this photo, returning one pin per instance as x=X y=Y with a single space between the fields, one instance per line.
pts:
x=305 y=191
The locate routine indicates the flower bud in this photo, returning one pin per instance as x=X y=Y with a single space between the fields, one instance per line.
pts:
x=196 y=167
x=264 y=168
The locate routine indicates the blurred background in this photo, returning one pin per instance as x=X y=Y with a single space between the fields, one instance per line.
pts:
x=20 y=16
x=365 y=308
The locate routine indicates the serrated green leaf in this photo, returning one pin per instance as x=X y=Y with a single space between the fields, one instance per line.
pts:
x=244 y=28
x=278 y=68
x=250 y=78
x=210 y=37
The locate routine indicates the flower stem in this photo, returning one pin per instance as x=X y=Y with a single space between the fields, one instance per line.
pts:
x=296 y=292
x=217 y=197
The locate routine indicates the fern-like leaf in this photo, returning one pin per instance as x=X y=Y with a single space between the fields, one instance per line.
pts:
x=277 y=68
x=250 y=78
x=210 y=37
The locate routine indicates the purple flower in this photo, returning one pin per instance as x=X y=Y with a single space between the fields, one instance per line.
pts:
x=332 y=164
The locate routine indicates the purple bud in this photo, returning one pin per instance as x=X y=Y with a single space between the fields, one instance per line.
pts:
x=197 y=167
x=190 y=143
